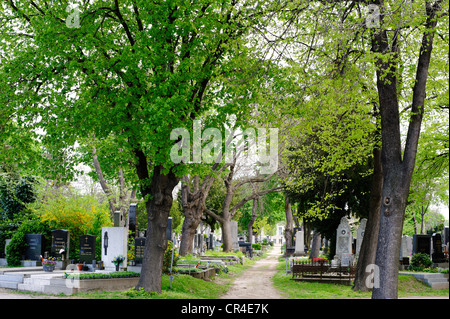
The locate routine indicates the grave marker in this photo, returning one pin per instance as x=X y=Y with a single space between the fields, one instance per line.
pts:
x=60 y=241
x=87 y=248
x=35 y=246
x=139 y=246
x=422 y=244
x=343 y=240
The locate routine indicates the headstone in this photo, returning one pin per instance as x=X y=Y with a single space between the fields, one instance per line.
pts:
x=169 y=229
x=360 y=235
x=211 y=242
x=132 y=216
x=35 y=246
x=299 y=244
x=87 y=248
x=114 y=243
x=139 y=246
x=437 y=256
x=422 y=244
x=60 y=243
x=405 y=247
x=446 y=234
x=343 y=239
x=234 y=234
x=118 y=219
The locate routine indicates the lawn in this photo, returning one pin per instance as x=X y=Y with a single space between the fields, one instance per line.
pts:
x=292 y=289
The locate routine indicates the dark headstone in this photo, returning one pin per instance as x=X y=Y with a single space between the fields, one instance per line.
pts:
x=132 y=216
x=87 y=248
x=169 y=229
x=139 y=246
x=422 y=244
x=35 y=246
x=438 y=255
x=446 y=235
x=60 y=240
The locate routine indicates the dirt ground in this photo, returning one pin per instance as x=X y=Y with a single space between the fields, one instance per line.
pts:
x=255 y=282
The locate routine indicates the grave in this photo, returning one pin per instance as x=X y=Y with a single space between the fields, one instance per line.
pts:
x=437 y=256
x=132 y=217
x=422 y=244
x=169 y=229
x=139 y=246
x=60 y=243
x=299 y=243
x=114 y=243
x=405 y=247
x=35 y=246
x=234 y=235
x=446 y=234
x=360 y=235
x=87 y=248
x=343 y=242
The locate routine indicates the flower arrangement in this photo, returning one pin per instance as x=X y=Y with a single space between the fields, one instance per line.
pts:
x=118 y=260
x=320 y=260
x=51 y=261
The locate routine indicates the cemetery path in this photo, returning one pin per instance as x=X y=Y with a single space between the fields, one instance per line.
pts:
x=255 y=282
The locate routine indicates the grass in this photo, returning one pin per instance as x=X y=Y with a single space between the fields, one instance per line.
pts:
x=291 y=289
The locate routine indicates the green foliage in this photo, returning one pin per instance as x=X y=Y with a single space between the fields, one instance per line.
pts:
x=15 y=193
x=115 y=274
x=17 y=245
x=167 y=258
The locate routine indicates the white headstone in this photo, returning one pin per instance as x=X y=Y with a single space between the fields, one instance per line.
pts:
x=343 y=239
x=114 y=243
x=299 y=244
x=360 y=235
x=234 y=234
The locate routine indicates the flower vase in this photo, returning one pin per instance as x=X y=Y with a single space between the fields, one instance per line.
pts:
x=117 y=267
x=48 y=268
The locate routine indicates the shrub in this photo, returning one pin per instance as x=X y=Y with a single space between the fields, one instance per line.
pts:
x=420 y=261
x=168 y=258
x=256 y=246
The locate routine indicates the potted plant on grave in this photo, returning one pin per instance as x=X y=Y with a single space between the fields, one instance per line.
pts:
x=117 y=261
x=48 y=264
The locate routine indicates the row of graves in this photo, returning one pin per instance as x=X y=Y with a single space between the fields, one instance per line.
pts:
x=342 y=268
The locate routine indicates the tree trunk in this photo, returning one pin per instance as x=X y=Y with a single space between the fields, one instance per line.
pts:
x=190 y=225
x=158 y=208
x=397 y=172
x=315 y=246
x=252 y=220
x=289 y=229
x=368 y=249
x=227 y=239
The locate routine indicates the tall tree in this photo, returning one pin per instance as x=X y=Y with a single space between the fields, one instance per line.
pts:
x=132 y=68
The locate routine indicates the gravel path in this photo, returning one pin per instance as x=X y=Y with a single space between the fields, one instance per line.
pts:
x=255 y=282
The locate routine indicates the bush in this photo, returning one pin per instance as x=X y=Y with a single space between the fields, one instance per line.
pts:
x=256 y=246
x=420 y=261
x=168 y=258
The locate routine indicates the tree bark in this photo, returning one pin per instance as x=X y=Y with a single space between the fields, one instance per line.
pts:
x=158 y=208
x=252 y=220
x=289 y=229
x=397 y=173
x=315 y=246
x=368 y=249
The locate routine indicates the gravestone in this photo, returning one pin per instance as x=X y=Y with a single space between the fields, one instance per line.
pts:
x=405 y=247
x=118 y=219
x=234 y=235
x=60 y=241
x=169 y=229
x=343 y=240
x=87 y=248
x=422 y=244
x=446 y=234
x=437 y=256
x=35 y=246
x=139 y=246
x=299 y=244
x=114 y=243
x=360 y=235
x=132 y=216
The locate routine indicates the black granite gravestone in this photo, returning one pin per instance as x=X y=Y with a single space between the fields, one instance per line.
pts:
x=437 y=256
x=139 y=246
x=60 y=241
x=35 y=246
x=422 y=244
x=169 y=229
x=132 y=216
x=87 y=248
